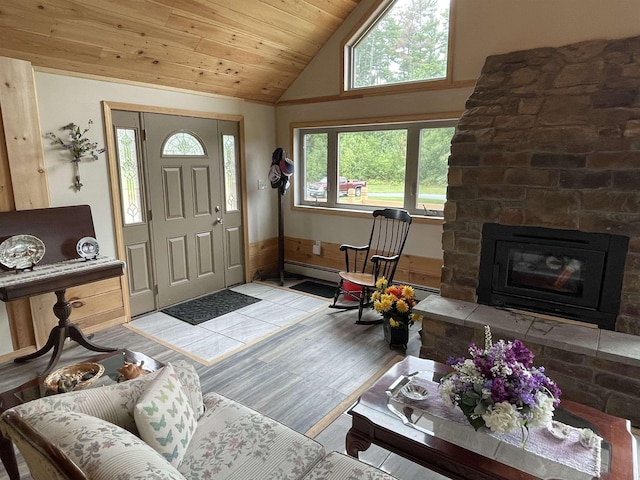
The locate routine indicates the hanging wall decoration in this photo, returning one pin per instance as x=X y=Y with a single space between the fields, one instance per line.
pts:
x=79 y=146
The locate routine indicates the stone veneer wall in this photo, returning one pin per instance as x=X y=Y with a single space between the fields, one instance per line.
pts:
x=550 y=137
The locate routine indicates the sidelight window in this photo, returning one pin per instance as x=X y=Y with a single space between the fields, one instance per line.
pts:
x=129 y=167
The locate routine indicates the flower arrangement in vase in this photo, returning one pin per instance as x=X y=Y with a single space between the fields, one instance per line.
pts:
x=499 y=388
x=78 y=146
x=395 y=304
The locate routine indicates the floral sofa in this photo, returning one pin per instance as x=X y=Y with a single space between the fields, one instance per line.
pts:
x=160 y=426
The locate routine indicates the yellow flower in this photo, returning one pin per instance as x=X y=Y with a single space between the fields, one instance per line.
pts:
x=385 y=303
x=407 y=292
x=394 y=323
x=402 y=306
x=378 y=306
x=381 y=284
x=375 y=296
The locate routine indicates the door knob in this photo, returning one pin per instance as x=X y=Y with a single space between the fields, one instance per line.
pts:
x=219 y=220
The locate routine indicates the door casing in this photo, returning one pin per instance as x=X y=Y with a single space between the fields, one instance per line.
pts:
x=114 y=175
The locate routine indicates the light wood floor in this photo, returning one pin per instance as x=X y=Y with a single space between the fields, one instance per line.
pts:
x=297 y=376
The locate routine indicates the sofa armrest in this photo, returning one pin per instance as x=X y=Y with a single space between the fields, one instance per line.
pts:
x=74 y=446
x=44 y=458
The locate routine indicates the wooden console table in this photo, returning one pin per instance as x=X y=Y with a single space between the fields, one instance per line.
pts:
x=57 y=278
x=60 y=229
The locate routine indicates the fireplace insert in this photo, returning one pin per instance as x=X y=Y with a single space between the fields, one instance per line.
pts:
x=565 y=273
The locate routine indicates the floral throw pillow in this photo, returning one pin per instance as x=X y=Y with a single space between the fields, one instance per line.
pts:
x=164 y=418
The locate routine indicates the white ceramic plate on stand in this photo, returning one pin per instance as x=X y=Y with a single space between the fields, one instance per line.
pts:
x=21 y=251
x=87 y=247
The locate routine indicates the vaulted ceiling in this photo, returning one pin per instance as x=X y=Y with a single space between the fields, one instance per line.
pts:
x=250 y=49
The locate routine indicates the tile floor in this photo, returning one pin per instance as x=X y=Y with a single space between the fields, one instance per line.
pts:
x=214 y=338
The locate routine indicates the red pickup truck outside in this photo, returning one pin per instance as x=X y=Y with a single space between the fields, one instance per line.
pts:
x=319 y=189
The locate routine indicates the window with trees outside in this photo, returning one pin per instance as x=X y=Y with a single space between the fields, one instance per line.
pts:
x=402 y=165
x=405 y=41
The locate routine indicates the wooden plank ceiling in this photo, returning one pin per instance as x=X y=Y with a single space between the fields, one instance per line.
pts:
x=250 y=49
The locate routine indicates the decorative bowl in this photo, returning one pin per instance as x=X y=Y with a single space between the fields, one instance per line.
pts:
x=73 y=377
x=559 y=430
x=414 y=392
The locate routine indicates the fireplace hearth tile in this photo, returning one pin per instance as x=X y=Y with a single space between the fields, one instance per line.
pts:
x=619 y=347
x=446 y=309
x=504 y=321
x=565 y=336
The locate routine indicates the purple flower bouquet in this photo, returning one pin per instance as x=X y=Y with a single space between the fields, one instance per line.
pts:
x=499 y=388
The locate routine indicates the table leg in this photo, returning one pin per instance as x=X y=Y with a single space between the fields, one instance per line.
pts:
x=65 y=329
x=356 y=442
x=76 y=334
x=8 y=456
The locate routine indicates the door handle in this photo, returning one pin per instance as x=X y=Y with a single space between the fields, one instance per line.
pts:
x=218 y=220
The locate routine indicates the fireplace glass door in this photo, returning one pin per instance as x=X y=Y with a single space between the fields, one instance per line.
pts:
x=555 y=274
x=565 y=273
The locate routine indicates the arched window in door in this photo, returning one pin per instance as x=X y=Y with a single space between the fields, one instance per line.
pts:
x=183 y=144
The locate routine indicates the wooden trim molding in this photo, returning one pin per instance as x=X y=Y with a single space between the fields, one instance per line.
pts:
x=21 y=163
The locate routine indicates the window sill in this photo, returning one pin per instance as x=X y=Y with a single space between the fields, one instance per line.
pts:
x=421 y=219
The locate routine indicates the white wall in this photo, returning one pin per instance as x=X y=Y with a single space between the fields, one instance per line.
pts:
x=482 y=28
x=63 y=99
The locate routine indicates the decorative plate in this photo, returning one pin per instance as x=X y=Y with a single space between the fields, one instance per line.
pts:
x=21 y=251
x=87 y=247
x=414 y=392
x=73 y=377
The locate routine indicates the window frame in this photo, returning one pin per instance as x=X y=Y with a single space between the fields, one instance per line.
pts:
x=369 y=21
x=332 y=129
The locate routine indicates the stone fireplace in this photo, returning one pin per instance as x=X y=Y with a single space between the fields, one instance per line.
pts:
x=550 y=138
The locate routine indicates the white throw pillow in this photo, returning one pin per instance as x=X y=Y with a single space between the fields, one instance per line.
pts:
x=164 y=418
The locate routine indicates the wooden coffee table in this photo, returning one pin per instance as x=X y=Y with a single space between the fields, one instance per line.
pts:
x=373 y=422
x=34 y=389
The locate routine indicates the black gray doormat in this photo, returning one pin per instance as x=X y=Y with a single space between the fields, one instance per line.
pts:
x=212 y=306
x=315 y=288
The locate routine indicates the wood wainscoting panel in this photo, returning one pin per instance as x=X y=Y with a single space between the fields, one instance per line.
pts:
x=422 y=271
x=263 y=258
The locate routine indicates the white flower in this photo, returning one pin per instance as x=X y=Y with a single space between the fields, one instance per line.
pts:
x=502 y=417
x=542 y=413
x=448 y=393
x=468 y=372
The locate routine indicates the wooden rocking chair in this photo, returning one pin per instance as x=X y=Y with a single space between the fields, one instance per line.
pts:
x=379 y=258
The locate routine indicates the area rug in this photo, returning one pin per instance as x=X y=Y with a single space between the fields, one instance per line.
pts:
x=315 y=288
x=211 y=306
